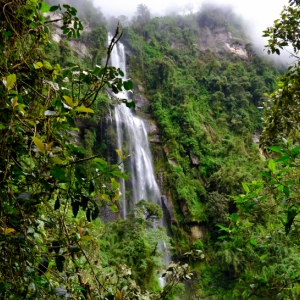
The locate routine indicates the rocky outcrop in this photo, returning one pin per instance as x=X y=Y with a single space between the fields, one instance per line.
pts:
x=197 y=232
x=195 y=160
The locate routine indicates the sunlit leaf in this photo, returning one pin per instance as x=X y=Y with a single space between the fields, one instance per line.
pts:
x=116 y=197
x=39 y=144
x=45 y=7
x=38 y=65
x=9 y=230
x=114 y=208
x=84 y=109
x=271 y=165
x=9 y=81
x=245 y=187
x=119 y=152
x=69 y=101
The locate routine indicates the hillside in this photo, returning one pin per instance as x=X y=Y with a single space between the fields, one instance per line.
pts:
x=199 y=86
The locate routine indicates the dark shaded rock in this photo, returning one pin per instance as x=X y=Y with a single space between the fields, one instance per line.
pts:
x=167 y=207
x=155 y=139
x=106 y=215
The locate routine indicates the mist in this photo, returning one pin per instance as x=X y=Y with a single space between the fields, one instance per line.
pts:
x=257 y=15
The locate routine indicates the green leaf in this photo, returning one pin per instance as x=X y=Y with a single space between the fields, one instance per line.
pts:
x=275 y=149
x=286 y=191
x=292 y=213
x=253 y=241
x=128 y=85
x=263 y=257
x=9 y=81
x=264 y=174
x=245 y=187
x=234 y=217
x=282 y=158
x=56 y=160
x=84 y=109
x=59 y=173
x=130 y=104
x=38 y=65
x=296 y=150
x=114 y=208
x=271 y=165
x=223 y=237
x=70 y=121
x=114 y=184
x=54 y=8
x=45 y=7
x=223 y=228
x=119 y=174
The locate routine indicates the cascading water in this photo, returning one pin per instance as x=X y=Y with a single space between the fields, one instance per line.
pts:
x=133 y=139
x=132 y=135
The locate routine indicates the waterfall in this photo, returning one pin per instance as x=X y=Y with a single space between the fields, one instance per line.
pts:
x=132 y=131
x=133 y=139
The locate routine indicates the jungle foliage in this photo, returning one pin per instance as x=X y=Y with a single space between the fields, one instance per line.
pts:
x=51 y=188
x=208 y=104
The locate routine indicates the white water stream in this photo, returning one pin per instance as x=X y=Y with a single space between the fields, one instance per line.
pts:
x=133 y=139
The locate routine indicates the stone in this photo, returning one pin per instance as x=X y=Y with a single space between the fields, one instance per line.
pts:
x=197 y=232
x=172 y=162
x=140 y=88
x=155 y=139
x=140 y=101
x=195 y=160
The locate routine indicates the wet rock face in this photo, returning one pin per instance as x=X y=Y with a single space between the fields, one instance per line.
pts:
x=141 y=102
x=167 y=208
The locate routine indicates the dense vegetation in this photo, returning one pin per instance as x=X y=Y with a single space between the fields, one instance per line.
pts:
x=207 y=102
x=52 y=188
x=204 y=83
